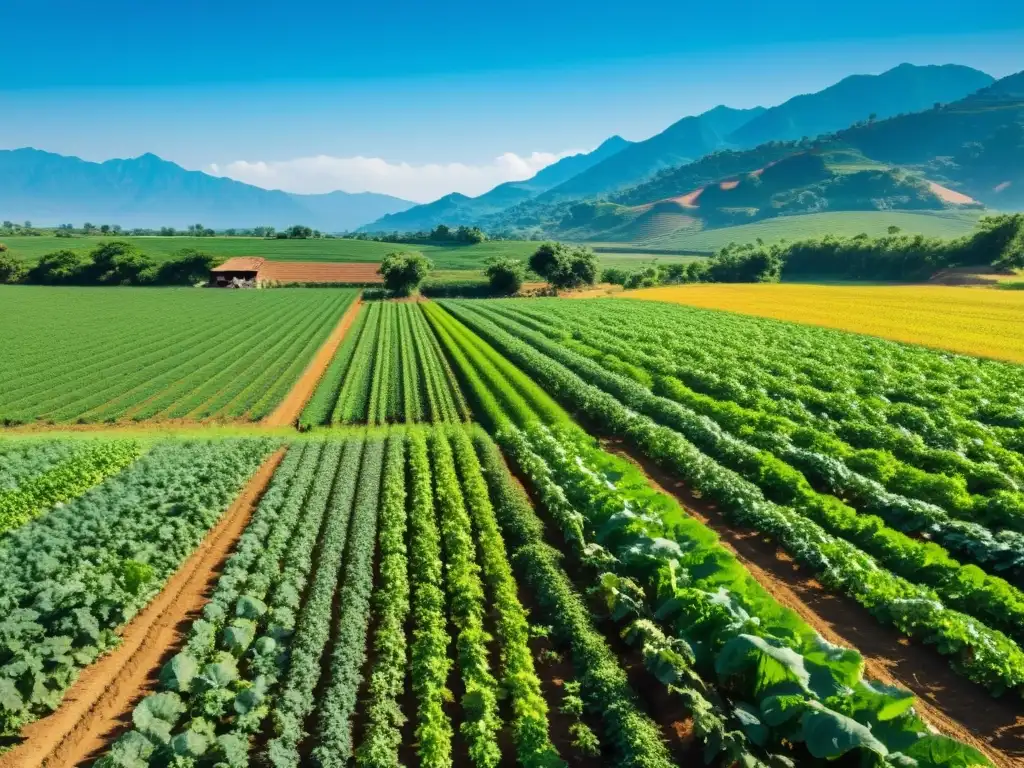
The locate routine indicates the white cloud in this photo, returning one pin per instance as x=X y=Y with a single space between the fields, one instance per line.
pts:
x=420 y=183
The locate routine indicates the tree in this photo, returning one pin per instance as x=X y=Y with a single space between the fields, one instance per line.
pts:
x=187 y=267
x=299 y=232
x=404 y=272
x=441 y=232
x=120 y=263
x=892 y=229
x=614 y=276
x=59 y=268
x=505 y=275
x=88 y=227
x=565 y=266
x=105 y=229
x=470 y=235
x=11 y=270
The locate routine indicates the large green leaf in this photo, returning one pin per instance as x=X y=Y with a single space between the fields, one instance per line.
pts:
x=763 y=663
x=829 y=734
x=249 y=607
x=219 y=674
x=178 y=673
x=189 y=744
x=132 y=750
x=156 y=715
x=935 y=751
x=10 y=699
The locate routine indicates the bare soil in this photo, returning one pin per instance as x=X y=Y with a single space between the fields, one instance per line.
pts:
x=952 y=704
x=98 y=707
x=287 y=412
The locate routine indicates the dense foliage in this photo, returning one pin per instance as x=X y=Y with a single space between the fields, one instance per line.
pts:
x=565 y=266
x=403 y=272
x=107 y=553
x=117 y=262
x=631 y=535
x=52 y=484
x=982 y=654
x=998 y=242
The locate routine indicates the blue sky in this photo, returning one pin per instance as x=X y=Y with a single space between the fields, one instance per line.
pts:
x=421 y=98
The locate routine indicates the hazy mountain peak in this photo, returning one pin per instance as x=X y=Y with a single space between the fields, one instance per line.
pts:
x=148 y=191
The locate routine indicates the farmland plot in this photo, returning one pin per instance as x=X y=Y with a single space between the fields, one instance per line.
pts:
x=281 y=648
x=510 y=399
x=388 y=369
x=120 y=354
x=35 y=475
x=74 y=576
x=778 y=498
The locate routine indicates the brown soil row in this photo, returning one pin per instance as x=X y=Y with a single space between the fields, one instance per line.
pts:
x=952 y=704
x=287 y=412
x=98 y=707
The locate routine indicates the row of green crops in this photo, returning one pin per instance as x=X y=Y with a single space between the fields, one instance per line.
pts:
x=97 y=354
x=929 y=449
x=704 y=625
x=58 y=481
x=281 y=648
x=388 y=369
x=811 y=531
x=987 y=597
x=71 y=578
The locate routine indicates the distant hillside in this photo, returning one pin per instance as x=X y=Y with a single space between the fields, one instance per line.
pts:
x=146 y=191
x=975 y=145
x=458 y=209
x=682 y=142
x=798 y=185
x=906 y=88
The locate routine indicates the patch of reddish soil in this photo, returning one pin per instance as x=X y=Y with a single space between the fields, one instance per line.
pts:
x=98 y=707
x=727 y=185
x=954 y=705
x=948 y=195
x=319 y=272
x=690 y=200
x=287 y=412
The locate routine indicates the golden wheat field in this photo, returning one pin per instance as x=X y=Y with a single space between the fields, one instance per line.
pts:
x=974 y=321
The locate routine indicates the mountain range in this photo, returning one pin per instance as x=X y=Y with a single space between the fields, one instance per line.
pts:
x=906 y=88
x=913 y=136
x=146 y=191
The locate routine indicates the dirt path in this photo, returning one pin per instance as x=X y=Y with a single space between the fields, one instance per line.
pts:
x=98 y=707
x=287 y=412
x=951 y=703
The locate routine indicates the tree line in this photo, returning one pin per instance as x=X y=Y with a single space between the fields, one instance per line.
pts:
x=25 y=229
x=442 y=233
x=114 y=263
x=998 y=242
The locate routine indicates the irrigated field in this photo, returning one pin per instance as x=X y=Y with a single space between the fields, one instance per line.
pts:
x=986 y=323
x=790 y=547
x=946 y=224
x=111 y=354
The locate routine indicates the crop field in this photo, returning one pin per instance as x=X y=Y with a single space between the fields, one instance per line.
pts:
x=457 y=260
x=946 y=224
x=113 y=354
x=981 y=322
x=389 y=369
x=533 y=532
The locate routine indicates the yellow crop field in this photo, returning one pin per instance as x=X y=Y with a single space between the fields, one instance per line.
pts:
x=973 y=321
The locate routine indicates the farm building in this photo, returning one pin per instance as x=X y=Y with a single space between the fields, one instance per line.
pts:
x=255 y=272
